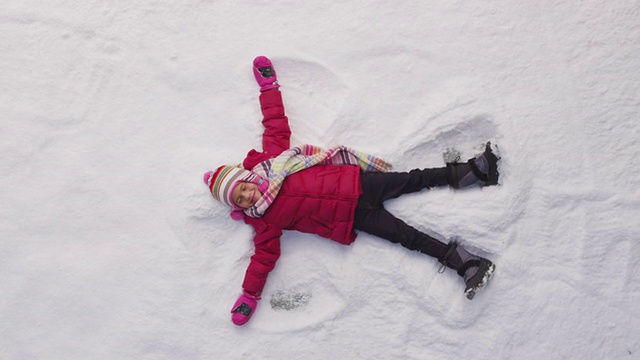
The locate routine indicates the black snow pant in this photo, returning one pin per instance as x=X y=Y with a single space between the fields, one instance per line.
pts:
x=371 y=217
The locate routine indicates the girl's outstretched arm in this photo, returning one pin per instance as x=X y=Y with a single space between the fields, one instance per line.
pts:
x=276 y=135
x=267 y=252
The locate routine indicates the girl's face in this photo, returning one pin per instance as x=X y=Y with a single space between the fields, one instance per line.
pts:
x=246 y=194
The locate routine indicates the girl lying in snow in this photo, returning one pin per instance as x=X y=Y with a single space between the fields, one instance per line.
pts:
x=332 y=193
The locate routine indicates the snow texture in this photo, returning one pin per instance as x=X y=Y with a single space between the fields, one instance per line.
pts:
x=111 y=111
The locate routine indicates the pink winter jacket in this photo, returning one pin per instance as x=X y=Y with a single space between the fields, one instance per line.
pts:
x=320 y=200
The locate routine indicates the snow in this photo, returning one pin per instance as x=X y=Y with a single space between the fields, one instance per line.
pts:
x=110 y=112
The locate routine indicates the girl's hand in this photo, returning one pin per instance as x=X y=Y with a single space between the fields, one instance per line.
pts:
x=244 y=308
x=265 y=74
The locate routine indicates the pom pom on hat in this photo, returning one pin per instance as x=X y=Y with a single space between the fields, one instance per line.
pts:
x=207 y=177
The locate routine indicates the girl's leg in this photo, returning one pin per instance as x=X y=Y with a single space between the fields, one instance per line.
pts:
x=378 y=187
x=381 y=223
x=481 y=170
x=475 y=270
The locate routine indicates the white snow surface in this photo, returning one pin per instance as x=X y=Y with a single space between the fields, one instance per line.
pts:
x=111 y=111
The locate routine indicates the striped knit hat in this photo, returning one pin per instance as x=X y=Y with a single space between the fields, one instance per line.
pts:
x=222 y=182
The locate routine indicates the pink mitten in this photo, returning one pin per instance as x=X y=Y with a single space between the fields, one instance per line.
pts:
x=265 y=73
x=244 y=308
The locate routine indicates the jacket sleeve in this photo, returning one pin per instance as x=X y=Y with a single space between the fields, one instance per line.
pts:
x=267 y=252
x=277 y=133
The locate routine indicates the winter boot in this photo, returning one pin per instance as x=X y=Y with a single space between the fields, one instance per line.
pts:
x=476 y=271
x=265 y=74
x=481 y=170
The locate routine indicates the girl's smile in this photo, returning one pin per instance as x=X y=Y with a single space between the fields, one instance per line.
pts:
x=246 y=194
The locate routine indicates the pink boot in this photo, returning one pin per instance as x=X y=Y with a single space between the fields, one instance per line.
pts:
x=265 y=73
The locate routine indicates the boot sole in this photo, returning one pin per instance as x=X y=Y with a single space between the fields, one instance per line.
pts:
x=493 y=157
x=471 y=292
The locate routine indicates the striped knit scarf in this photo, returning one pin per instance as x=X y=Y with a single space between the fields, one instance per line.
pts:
x=303 y=157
